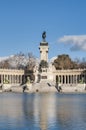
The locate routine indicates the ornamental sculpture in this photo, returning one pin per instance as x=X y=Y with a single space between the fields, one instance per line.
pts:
x=44 y=36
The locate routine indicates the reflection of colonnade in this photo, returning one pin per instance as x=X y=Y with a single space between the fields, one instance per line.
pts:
x=70 y=76
x=12 y=75
x=47 y=114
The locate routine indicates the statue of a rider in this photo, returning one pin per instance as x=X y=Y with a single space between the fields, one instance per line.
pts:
x=44 y=36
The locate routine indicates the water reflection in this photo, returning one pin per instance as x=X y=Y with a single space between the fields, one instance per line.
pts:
x=47 y=111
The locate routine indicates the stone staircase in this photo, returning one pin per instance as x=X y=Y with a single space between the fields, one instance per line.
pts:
x=44 y=87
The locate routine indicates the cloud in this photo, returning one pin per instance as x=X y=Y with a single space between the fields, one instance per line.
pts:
x=78 y=42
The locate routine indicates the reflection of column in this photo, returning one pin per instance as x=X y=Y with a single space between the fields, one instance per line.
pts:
x=47 y=114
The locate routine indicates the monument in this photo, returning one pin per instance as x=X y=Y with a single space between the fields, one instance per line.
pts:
x=44 y=57
x=44 y=48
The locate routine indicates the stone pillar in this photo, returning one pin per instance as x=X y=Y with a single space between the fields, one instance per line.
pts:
x=13 y=79
x=73 y=79
x=67 y=79
x=53 y=79
x=61 y=79
x=6 y=77
x=20 y=79
x=10 y=79
x=64 y=79
x=76 y=79
x=17 y=79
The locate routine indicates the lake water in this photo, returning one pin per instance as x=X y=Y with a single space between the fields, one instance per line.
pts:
x=47 y=111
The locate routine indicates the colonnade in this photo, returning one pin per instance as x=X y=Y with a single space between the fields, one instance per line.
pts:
x=12 y=76
x=70 y=79
x=70 y=76
x=12 y=79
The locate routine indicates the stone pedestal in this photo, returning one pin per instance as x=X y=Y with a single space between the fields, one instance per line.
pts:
x=44 y=51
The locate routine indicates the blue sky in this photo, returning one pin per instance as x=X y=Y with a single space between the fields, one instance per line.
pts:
x=23 y=21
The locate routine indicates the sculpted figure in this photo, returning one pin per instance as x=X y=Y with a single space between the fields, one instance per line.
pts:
x=44 y=35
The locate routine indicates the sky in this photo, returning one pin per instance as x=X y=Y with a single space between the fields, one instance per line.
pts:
x=22 y=23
